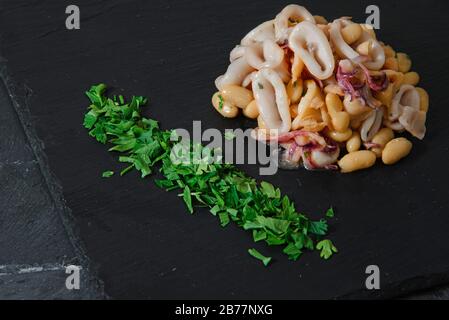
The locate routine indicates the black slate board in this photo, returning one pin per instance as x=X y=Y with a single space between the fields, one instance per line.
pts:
x=142 y=240
x=37 y=235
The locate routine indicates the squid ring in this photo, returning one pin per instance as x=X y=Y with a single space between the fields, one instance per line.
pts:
x=310 y=43
x=271 y=97
x=281 y=22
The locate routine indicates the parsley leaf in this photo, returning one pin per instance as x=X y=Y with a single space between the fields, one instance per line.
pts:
x=220 y=102
x=292 y=251
x=268 y=189
x=227 y=192
x=107 y=174
x=224 y=218
x=330 y=212
x=188 y=198
x=327 y=249
x=89 y=119
x=318 y=227
x=256 y=254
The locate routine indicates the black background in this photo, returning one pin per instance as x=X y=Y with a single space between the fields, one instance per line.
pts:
x=141 y=239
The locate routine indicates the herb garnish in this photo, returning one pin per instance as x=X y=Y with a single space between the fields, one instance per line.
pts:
x=107 y=174
x=256 y=254
x=330 y=213
x=220 y=102
x=229 y=194
x=327 y=249
x=260 y=85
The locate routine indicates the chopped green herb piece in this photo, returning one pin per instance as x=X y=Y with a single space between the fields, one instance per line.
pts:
x=256 y=254
x=292 y=251
x=107 y=174
x=268 y=189
x=224 y=218
x=327 y=249
x=318 y=227
x=260 y=85
x=220 y=102
x=330 y=212
x=226 y=191
x=188 y=198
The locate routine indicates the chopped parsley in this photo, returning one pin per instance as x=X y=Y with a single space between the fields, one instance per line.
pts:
x=260 y=85
x=327 y=249
x=187 y=196
x=107 y=174
x=220 y=102
x=228 y=193
x=330 y=213
x=256 y=254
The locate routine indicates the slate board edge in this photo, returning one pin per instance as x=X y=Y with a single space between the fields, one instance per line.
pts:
x=18 y=95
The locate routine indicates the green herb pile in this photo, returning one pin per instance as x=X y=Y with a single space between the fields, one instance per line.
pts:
x=226 y=191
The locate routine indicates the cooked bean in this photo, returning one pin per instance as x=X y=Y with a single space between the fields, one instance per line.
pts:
x=252 y=110
x=354 y=106
x=320 y=20
x=391 y=64
x=340 y=136
x=351 y=33
x=354 y=144
x=365 y=48
x=395 y=150
x=386 y=96
x=404 y=62
x=411 y=78
x=340 y=119
x=389 y=52
x=396 y=78
x=237 y=95
x=357 y=160
x=225 y=108
x=381 y=138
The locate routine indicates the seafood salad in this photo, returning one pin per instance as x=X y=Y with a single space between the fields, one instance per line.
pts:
x=330 y=93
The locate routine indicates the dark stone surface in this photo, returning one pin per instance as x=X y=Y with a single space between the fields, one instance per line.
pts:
x=141 y=239
x=44 y=282
x=36 y=245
